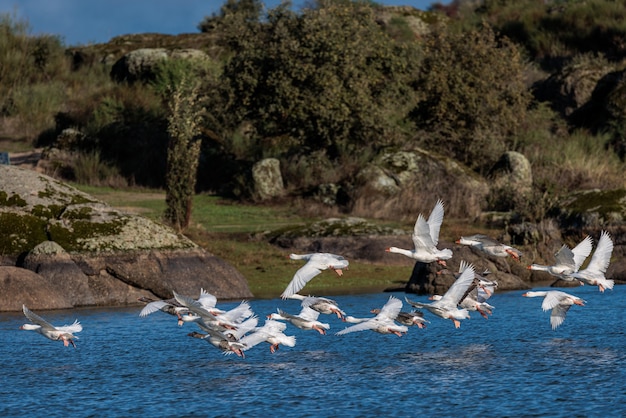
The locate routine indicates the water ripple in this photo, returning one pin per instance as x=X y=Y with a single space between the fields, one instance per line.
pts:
x=130 y=366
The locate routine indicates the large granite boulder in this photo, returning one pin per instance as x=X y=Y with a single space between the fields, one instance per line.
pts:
x=418 y=22
x=140 y=64
x=570 y=88
x=512 y=170
x=267 y=179
x=93 y=254
x=22 y=286
x=402 y=184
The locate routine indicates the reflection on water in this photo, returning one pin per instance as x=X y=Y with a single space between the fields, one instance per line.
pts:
x=511 y=364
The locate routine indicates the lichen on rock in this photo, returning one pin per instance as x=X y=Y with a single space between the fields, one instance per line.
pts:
x=35 y=207
x=82 y=252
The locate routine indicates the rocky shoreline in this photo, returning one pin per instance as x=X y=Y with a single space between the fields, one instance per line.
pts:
x=62 y=248
x=48 y=263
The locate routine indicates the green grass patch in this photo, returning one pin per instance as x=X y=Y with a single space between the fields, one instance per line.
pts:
x=224 y=229
x=218 y=215
x=268 y=269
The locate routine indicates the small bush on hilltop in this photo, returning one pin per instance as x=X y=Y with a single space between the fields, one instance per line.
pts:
x=556 y=30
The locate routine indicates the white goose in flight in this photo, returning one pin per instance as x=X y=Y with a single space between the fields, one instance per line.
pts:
x=272 y=333
x=315 y=264
x=173 y=307
x=383 y=323
x=567 y=261
x=230 y=341
x=207 y=321
x=490 y=246
x=407 y=318
x=476 y=295
x=557 y=301
x=425 y=239
x=447 y=306
x=305 y=320
x=64 y=333
x=320 y=304
x=594 y=274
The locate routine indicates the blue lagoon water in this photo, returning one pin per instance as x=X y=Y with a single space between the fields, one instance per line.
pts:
x=512 y=364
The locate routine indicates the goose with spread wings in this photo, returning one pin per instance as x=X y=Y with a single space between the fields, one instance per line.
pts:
x=320 y=304
x=63 y=333
x=305 y=320
x=426 y=238
x=594 y=274
x=567 y=261
x=476 y=295
x=383 y=322
x=315 y=264
x=447 y=306
x=557 y=302
x=490 y=246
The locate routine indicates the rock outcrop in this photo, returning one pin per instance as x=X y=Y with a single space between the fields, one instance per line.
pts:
x=512 y=171
x=268 y=181
x=410 y=180
x=60 y=247
x=140 y=64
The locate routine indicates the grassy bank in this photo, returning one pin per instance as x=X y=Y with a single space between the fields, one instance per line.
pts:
x=227 y=230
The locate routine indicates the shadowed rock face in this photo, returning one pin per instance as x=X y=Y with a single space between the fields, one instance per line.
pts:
x=21 y=286
x=61 y=248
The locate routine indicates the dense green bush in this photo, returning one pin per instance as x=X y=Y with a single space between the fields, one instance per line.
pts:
x=473 y=95
x=328 y=79
x=129 y=128
x=239 y=10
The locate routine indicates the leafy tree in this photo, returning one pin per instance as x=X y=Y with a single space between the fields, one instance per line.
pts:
x=473 y=96
x=327 y=79
x=184 y=125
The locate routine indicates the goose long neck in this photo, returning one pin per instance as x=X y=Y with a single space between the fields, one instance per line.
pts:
x=400 y=251
x=465 y=241
x=299 y=256
x=533 y=294
x=538 y=267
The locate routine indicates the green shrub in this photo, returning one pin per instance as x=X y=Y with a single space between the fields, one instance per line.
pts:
x=551 y=31
x=26 y=59
x=319 y=80
x=473 y=96
x=183 y=151
x=34 y=106
x=128 y=128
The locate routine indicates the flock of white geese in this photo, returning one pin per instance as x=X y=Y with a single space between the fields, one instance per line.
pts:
x=237 y=330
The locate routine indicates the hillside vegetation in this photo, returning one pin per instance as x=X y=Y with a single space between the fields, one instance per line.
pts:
x=326 y=89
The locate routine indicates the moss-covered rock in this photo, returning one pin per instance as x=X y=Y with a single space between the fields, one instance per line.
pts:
x=86 y=253
x=35 y=208
x=593 y=209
